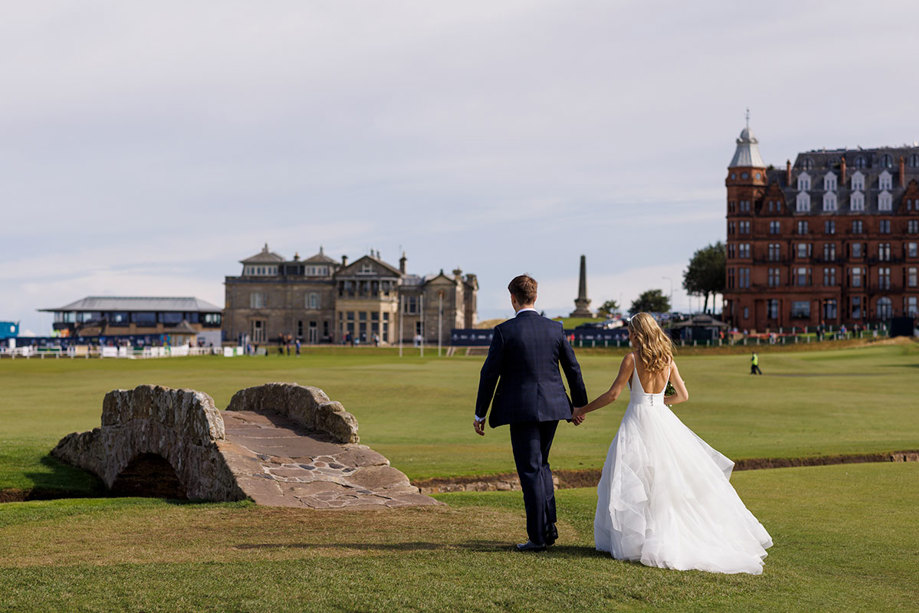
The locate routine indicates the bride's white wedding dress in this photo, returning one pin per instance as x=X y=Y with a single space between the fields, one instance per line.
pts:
x=664 y=498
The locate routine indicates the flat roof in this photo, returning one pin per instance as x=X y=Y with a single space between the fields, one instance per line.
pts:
x=139 y=303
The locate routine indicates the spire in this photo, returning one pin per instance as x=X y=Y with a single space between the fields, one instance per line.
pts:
x=582 y=302
x=747 y=153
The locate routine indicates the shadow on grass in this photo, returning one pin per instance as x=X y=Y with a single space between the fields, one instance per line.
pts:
x=58 y=480
x=473 y=546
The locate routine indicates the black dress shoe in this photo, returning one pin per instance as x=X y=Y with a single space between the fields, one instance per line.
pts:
x=551 y=535
x=530 y=546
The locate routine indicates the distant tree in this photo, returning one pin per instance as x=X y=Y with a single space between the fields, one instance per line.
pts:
x=651 y=301
x=608 y=308
x=706 y=272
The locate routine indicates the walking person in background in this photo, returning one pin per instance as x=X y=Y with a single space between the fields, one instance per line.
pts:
x=754 y=365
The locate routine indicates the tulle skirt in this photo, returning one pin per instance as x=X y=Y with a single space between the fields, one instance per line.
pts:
x=665 y=500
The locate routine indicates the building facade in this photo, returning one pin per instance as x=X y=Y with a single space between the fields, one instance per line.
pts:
x=830 y=239
x=323 y=300
x=177 y=321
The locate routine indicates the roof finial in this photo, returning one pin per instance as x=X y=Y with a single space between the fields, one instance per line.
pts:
x=747 y=115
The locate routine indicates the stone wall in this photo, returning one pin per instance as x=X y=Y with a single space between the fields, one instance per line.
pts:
x=181 y=426
x=307 y=406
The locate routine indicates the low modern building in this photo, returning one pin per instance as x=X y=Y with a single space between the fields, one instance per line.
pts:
x=323 y=300
x=176 y=321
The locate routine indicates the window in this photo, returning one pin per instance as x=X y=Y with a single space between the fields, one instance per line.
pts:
x=884 y=252
x=744 y=206
x=744 y=227
x=775 y=277
x=829 y=309
x=731 y=227
x=829 y=201
x=829 y=277
x=884 y=277
x=732 y=206
x=912 y=226
x=829 y=252
x=885 y=201
x=857 y=226
x=803 y=202
x=775 y=252
x=860 y=162
x=775 y=227
x=856 y=303
x=312 y=300
x=885 y=180
x=118 y=318
x=855 y=276
x=913 y=160
x=743 y=278
x=802 y=277
x=856 y=250
x=772 y=309
x=746 y=312
x=366 y=268
x=730 y=278
x=829 y=182
x=911 y=277
x=410 y=305
x=807 y=163
x=857 y=201
x=912 y=249
x=885 y=307
x=802 y=227
x=884 y=226
x=910 y=307
x=743 y=249
x=886 y=161
x=801 y=309
x=804 y=250
x=731 y=251
x=256 y=300
x=829 y=226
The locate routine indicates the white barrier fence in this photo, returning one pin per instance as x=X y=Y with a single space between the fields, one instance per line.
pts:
x=87 y=351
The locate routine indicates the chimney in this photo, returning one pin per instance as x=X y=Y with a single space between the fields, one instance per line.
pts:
x=402 y=261
x=344 y=261
x=842 y=172
x=787 y=172
x=902 y=172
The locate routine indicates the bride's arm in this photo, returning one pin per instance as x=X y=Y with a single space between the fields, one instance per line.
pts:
x=679 y=387
x=610 y=395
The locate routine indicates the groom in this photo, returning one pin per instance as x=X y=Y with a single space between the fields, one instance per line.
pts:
x=523 y=361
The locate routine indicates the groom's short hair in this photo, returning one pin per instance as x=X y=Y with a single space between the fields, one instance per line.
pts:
x=523 y=288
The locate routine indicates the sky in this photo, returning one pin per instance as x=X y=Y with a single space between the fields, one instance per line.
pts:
x=146 y=148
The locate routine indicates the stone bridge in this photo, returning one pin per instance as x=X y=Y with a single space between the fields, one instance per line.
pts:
x=278 y=444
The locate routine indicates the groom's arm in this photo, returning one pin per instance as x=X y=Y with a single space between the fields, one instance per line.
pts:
x=572 y=372
x=488 y=377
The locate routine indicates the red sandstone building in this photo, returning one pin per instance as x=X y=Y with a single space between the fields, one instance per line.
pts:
x=831 y=239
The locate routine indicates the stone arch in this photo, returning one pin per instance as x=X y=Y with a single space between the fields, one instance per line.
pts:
x=149 y=474
x=182 y=427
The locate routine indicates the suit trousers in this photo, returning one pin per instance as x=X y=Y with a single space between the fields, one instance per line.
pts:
x=531 y=443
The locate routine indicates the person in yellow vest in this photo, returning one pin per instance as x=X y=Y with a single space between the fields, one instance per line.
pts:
x=754 y=365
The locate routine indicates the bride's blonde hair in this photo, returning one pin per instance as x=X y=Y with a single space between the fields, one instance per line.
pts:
x=653 y=347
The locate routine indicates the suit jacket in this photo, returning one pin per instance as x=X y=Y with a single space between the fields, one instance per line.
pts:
x=523 y=361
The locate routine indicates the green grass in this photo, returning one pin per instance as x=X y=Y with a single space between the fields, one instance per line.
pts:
x=845 y=540
x=418 y=412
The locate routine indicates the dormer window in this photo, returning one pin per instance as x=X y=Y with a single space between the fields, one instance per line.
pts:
x=803 y=202
x=913 y=160
x=861 y=162
x=886 y=161
x=804 y=182
x=858 y=181
x=829 y=182
x=885 y=180
x=807 y=164
x=366 y=268
x=885 y=201
x=857 y=201
x=829 y=201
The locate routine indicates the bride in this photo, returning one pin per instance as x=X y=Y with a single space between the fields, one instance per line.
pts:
x=664 y=497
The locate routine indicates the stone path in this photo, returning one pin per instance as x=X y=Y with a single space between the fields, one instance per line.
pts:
x=277 y=463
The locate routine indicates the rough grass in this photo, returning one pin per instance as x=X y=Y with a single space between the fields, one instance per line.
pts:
x=418 y=412
x=845 y=540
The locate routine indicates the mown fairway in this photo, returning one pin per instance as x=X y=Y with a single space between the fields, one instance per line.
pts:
x=846 y=540
x=419 y=412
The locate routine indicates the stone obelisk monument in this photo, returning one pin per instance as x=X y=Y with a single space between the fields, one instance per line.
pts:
x=582 y=302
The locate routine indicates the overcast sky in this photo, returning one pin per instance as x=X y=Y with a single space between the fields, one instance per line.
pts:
x=146 y=147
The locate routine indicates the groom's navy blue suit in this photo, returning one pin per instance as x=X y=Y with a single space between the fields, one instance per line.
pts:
x=523 y=361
